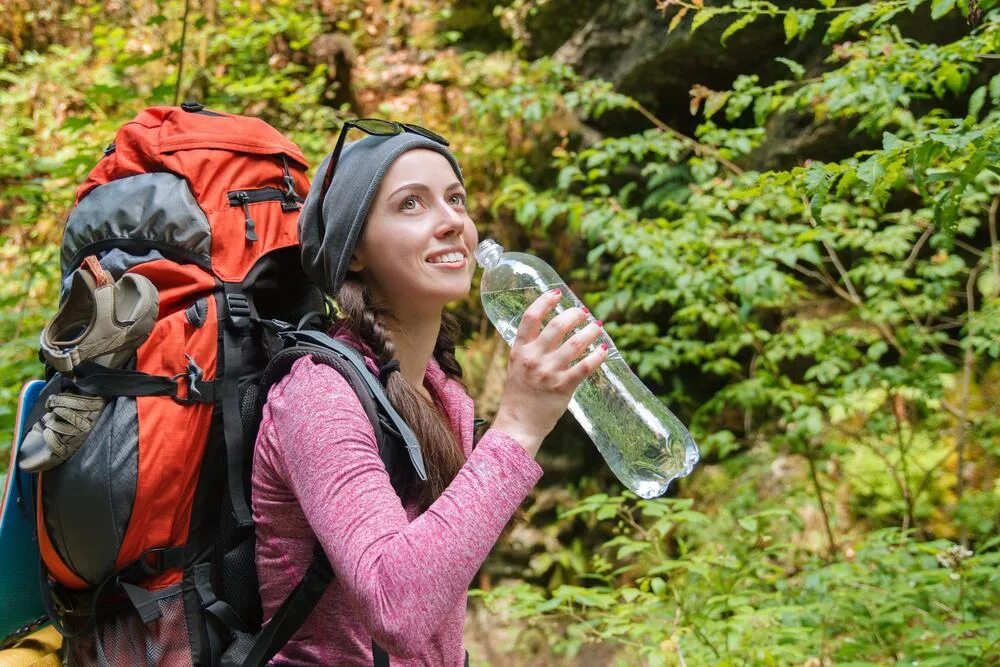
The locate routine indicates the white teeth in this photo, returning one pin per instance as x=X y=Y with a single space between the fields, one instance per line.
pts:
x=448 y=257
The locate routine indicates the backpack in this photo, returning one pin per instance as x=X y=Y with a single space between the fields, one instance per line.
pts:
x=145 y=533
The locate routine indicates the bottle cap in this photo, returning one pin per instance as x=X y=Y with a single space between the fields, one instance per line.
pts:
x=488 y=253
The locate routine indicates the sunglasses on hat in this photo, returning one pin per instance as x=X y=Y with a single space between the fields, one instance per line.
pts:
x=375 y=127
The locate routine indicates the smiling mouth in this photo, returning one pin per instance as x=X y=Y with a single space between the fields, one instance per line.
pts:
x=447 y=258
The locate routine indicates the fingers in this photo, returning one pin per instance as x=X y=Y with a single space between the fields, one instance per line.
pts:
x=562 y=325
x=530 y=326
x=579 y=371
x=578 y=343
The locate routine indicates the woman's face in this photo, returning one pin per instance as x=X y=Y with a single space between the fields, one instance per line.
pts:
x=415 y=251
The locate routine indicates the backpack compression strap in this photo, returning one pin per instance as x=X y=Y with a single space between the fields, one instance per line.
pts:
x=390 y=431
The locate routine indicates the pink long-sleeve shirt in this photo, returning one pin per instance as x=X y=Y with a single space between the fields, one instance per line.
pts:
x=401 y=577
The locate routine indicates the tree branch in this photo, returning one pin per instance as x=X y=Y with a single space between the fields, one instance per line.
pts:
x=961 y=427
x=995 y=246
x=180 y=52
x=842 y=271
x=832 y=543
x=698 y=147
x=917 y=247
x=903 y=451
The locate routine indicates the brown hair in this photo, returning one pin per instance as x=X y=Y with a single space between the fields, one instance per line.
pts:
x=443 y=455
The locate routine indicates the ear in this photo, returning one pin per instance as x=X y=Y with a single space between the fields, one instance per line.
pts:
x=356 y=264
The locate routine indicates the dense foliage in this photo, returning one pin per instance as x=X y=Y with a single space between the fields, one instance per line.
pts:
x=828 y=323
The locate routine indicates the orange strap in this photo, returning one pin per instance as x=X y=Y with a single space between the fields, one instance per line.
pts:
x=103 y=277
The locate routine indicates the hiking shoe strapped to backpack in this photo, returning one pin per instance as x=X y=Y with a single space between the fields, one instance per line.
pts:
x=101 y=320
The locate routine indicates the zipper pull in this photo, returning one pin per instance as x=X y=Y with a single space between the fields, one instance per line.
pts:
x=244 y=200
x=292 y=199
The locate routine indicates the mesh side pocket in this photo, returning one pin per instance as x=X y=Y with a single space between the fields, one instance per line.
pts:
x=239 y=582
x=121 y=639
x=250 y=411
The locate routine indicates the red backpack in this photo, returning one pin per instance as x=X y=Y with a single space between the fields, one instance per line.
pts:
x=145 y=533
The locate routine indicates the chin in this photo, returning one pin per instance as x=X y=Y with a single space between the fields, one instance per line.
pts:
x=445 y=297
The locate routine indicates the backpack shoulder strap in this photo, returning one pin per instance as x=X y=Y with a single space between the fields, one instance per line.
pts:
x=288 y=618
x=390 y=429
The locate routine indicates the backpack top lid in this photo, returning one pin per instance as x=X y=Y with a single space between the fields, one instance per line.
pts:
x=216 y=189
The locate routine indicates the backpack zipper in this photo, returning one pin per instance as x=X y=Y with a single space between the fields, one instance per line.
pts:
x=292 y=200
x=244 y=198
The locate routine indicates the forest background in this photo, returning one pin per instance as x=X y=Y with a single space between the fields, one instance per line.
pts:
x=785 y=213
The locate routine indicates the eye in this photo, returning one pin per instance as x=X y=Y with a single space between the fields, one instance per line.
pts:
x=457 y=199
x=409 y=204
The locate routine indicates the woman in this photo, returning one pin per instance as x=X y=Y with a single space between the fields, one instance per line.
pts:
x=386 y=232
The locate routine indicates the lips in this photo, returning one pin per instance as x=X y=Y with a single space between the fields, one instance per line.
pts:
x=448 y=256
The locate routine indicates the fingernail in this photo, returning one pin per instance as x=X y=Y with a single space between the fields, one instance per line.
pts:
x=604 y=346
x=586 y=311
x=555 y=291
x=599 y=323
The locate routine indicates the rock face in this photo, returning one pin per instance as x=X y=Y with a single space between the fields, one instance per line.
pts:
x=627 y=43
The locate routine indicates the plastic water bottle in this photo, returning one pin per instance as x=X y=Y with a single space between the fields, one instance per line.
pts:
x=645 y=445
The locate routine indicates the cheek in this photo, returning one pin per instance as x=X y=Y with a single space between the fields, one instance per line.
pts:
x=471 y=234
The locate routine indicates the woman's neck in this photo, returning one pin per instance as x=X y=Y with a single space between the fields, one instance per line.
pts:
x=414 y=341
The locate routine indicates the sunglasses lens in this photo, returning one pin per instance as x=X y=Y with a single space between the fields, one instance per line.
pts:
x=376 y=126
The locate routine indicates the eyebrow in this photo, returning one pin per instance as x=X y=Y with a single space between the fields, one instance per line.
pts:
x=420 y=186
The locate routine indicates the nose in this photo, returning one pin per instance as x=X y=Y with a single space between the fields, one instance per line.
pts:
x=449 y=220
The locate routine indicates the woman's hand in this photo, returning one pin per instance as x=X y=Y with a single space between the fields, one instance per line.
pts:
x=541 y=375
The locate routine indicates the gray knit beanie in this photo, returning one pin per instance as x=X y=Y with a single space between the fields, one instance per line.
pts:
x=329 y=229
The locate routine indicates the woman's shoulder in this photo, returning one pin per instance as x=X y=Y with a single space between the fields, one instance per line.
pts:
x=310 y=384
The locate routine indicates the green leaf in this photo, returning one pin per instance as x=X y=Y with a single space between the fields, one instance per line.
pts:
x=737 y=25
x=837 y=27
x=870 y=171
x=877 y=349
x=890 y=141
x=796 y=69
x=976 y=102
x=791 y=24
x=702 y=17
x=941 y=7
x=74 y=123
x=714 y=102
x=952 y=77
x=828 y=3
x=629 y=594
x=987 y=284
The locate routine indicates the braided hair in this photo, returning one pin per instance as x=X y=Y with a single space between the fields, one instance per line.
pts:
x=443 y=455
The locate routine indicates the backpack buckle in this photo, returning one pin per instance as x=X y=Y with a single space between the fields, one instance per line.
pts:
x=238 y=306
x=158 y=560
x=198 y=390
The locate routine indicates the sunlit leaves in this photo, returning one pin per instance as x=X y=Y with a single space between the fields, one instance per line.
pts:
x=761 y=597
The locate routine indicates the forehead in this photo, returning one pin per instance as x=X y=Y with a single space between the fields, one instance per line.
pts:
x=421 y=165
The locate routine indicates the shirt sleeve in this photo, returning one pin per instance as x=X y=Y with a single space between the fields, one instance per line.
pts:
x=402 y=575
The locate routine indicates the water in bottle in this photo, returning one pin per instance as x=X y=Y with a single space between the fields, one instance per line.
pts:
x=644 y=444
